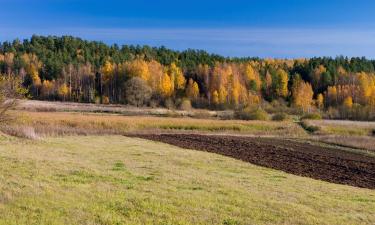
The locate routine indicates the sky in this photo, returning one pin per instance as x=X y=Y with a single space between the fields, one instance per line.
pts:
x=268 y=28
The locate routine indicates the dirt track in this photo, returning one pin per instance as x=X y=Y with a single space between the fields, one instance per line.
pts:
x=328 y=164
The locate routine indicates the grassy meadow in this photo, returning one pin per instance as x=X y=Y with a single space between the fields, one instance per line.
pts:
x=120 y=180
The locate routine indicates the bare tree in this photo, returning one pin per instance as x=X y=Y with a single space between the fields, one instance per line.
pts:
x=10 y=92
x=137 y=92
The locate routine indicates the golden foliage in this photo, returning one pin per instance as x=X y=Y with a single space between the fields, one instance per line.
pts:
x=253 y=76
x=178 y=77
x=192 y=90
x=302 y=94
x=47 y=87
x=63 y=91
x=215 y=98
x=166 y=86
x=348 y=102
x=320 y=101
x=138 y=68
x=223 y=94
x=282 y=90
x=107 y=70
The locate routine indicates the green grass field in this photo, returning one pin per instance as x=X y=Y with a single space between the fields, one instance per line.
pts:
x=119 y=180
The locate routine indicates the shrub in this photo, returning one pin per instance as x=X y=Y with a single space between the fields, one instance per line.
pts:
x=312 y=116
x=97 y=100
x=202 y=114
x=169 y=104
x=251 y=114
x=309 y=128
x=226 y=115
x=185 y=105
x=105 y=100
x=280 y=117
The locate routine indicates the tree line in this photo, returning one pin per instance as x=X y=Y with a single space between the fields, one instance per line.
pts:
x=71 y=69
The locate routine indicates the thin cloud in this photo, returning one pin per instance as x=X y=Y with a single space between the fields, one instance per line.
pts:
x=227 y=41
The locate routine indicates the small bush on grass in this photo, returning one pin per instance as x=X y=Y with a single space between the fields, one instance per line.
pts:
x=311 y=116
x=185 y=105
x=251 y=114
x=280 y=117
x=309 y=128
x=169 y=104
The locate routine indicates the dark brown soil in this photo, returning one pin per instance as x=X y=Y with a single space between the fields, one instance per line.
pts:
x=304 y=159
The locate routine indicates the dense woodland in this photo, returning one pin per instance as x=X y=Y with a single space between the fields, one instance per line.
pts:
x=71 y=69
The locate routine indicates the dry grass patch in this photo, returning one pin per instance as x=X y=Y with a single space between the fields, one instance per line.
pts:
x=344 y=127
x=64 y=123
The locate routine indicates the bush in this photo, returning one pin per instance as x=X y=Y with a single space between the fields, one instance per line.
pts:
x=105 y=100
x=280 y=117
x=202 y=114
x=251 y=114
x=309 y=128
x=169 y=104
x=311 y=116
x=185 y=105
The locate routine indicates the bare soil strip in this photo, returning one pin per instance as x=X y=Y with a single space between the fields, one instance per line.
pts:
x=303 y=159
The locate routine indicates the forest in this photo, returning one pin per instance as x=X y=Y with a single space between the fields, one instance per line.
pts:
x=71 y=69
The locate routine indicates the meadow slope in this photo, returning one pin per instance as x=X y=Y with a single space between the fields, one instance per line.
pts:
x=120 y=180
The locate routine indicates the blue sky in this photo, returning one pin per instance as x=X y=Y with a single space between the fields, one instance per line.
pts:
x=273 y=28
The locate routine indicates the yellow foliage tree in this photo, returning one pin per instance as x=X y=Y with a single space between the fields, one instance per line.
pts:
x=252 y=77
x=192 y=90
x=166 y=86
x=236 y=92
x=320 y=101
x=47 y=87
x=63 y=91
x=138 y=68
x=282 y=87
x=223 y=94
x=365 y=86
x=348 y=102
x=317 y=74
x=35 y=76
x=178 y=77
x=156 y=69
x=268 y=80
x=107 y=71
x=253 y=99
x=215 y=97
x=331 y=95
x=302 y=94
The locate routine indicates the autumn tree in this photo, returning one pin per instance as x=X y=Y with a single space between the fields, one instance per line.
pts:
x=316 y=76
x=47 y=88
x=302 y=94
x=320 y=101
x=331 y=96
x=166 y=86
x=138 y=68
x=215 y=98
x=348 y=102
x=177 y=77
x=252 y=76
x=281 y=83
x=32 y=69
x=192 y=90
x=63 y=91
